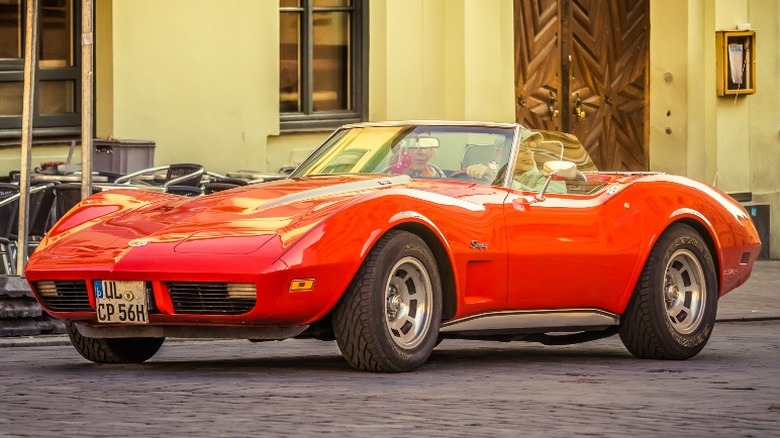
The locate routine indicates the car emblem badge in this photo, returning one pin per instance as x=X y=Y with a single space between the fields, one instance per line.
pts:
x=137 y=242
x=478 y=245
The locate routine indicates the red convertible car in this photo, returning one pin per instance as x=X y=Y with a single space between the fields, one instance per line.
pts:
x=393 y=236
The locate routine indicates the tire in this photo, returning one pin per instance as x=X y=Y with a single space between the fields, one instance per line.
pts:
x=672 y=311
x=388 y=319
x=119 y=350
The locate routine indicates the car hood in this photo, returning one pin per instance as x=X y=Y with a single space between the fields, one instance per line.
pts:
x=238 y=221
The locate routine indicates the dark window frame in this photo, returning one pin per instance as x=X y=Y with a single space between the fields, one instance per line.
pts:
x=308 y=120
x=12 y=70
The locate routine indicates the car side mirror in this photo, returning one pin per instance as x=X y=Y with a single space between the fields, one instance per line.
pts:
x=565 y=170
x=560 y=169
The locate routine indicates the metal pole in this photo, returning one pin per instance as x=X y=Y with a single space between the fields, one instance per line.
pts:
x=87 y=47
x=30 y=65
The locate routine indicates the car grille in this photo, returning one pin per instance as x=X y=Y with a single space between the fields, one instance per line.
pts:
x=64 y=295
x=72 y=296
x=224 y=298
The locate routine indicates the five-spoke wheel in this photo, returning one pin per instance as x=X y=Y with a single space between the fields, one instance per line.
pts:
x=388 y=320
x=409 y=295
x=672 y=311
x=684 y=291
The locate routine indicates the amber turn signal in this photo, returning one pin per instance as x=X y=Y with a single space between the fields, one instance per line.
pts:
x=301 y=284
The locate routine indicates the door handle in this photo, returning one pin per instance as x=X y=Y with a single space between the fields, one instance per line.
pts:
x=551 y=102
x=579 y=113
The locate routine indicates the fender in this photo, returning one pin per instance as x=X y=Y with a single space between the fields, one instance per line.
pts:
x=661 y=211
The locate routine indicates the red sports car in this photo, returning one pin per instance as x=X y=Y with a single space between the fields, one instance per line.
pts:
x=392 y=236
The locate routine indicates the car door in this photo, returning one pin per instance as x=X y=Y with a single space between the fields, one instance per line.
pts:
x=570 y=251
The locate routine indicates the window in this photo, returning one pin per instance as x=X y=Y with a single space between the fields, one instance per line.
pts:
x=58 y=78
x=322 y=63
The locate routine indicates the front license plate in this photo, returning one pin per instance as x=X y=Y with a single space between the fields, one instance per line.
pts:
x=121 y=302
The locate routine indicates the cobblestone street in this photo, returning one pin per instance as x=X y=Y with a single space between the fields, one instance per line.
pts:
x=468 y=388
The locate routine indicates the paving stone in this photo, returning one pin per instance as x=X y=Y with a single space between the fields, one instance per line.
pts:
x=231 y=388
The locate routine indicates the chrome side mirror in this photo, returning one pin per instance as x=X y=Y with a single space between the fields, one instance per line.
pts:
x=565 y=170
x=561 y=169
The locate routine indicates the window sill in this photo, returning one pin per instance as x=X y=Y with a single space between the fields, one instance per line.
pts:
x=41 y=136
x=292 y=123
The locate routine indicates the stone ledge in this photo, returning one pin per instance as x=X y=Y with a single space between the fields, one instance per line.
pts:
x=14 y=287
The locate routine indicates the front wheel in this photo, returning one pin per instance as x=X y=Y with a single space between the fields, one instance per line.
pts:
x=119 y=350
x=672 y=312
x=388 y=319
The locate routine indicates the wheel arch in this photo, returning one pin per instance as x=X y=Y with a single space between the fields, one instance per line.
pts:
x=446 y=273
x=709 y=240
x=700 y=226
x=645 y=327
x=423 y=228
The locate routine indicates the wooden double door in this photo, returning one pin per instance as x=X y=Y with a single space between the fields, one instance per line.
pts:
x=581 y=66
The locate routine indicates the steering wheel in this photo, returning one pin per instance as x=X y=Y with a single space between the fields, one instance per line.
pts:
x=492 y=178
x=460 y=174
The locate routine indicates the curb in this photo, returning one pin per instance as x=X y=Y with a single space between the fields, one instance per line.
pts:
x=35 y=341
x=749 y=319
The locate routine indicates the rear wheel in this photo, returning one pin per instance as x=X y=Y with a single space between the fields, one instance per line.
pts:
x=672 y=312
x=388 y=320
x=113 y=350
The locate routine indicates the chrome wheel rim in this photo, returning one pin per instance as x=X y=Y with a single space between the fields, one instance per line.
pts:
x=408 y=299
x=685 y=291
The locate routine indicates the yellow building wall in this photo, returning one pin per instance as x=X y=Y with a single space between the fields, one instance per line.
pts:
x=764 y=114
x=201 y=81
x=733 y=113
x=11 y=156
x=732 y=142
x=104 y=68
x=441 y=59
x=669 y=123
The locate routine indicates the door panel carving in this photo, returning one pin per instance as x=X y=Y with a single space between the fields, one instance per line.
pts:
x=537 y=63
x=597 y=71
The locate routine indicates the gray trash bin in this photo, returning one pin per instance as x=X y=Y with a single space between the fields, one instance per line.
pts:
x=122 y=156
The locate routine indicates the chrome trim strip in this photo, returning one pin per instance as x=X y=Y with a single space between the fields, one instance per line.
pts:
x=529 y=319
x=160 y=331
x=386 y=181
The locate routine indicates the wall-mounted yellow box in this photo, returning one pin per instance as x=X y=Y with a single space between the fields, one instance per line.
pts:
x=735 y=62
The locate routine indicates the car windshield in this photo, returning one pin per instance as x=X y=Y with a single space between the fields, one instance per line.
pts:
x=421 y=151
x=438 y=151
